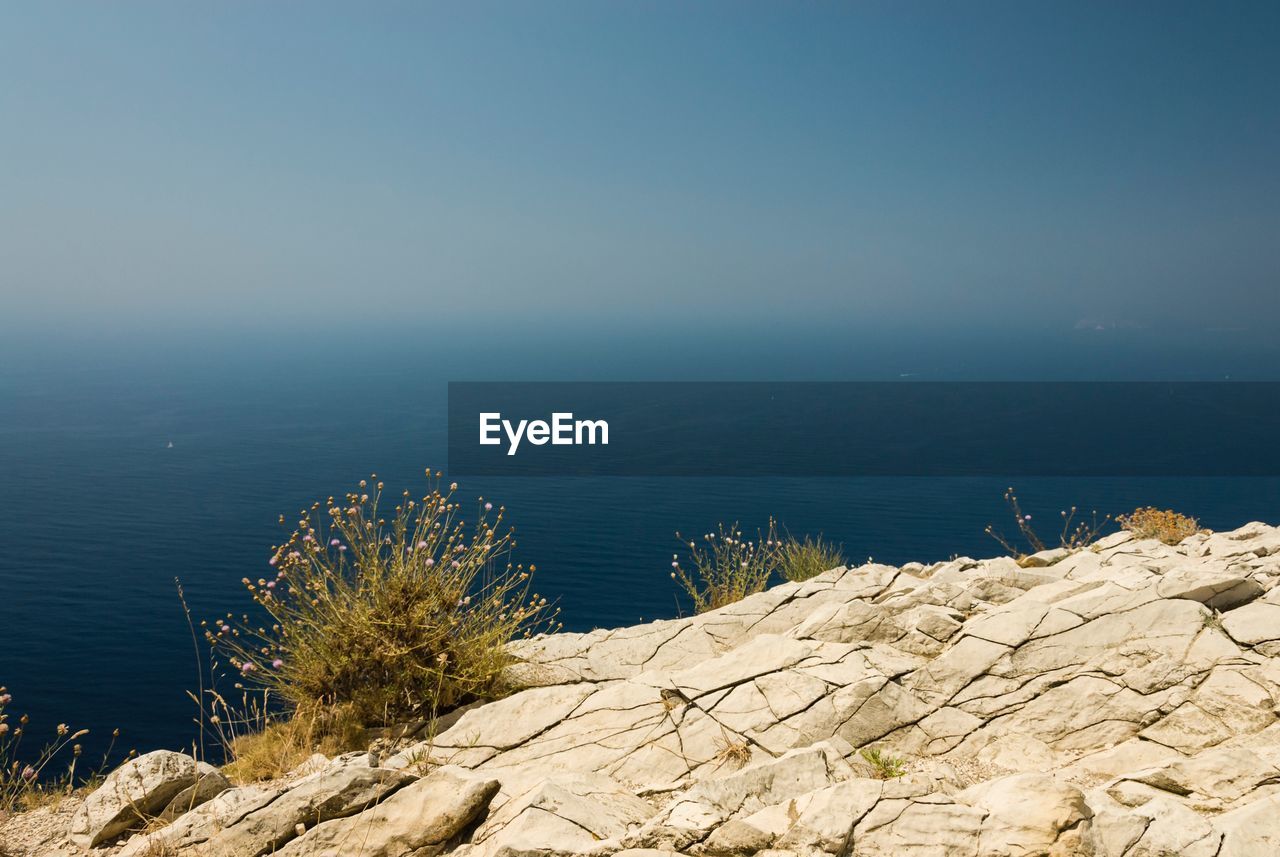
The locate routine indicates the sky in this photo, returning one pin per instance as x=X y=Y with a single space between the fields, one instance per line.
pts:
x=874 y=164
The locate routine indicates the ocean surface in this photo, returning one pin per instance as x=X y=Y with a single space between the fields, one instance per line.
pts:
x=128 y=464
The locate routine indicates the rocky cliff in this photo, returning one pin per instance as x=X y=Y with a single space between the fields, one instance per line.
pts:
x=1120 y=701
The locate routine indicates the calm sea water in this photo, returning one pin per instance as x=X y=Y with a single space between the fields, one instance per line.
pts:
x=101 y=514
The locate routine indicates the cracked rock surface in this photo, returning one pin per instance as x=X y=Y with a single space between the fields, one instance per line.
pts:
x=1119 y=701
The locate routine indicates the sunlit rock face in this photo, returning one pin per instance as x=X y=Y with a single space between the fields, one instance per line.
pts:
x=1116 y=701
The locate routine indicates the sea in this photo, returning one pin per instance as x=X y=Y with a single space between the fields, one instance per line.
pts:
x=130 y=463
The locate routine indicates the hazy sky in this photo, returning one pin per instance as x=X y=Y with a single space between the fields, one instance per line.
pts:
x=876 y=163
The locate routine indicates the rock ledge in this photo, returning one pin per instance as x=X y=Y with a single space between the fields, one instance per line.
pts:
x=1119 y=702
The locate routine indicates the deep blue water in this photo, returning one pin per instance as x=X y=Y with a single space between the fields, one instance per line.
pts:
x=100 y=515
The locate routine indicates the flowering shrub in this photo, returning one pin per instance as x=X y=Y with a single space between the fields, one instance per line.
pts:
x=801 y=560
x=396 y=617
x=1168 y=526
x=1073 y=536
x=726 y=567
x=22 y=782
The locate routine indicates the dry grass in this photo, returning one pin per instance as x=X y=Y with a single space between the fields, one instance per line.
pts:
x=1168 y=526
x=285 y=744
x=731 y=753
x=396 y=617
x=801 y=560
x=32 y=781
x=159 y=848
x=726 y=567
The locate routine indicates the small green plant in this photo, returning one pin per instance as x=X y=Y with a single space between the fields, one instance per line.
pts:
x=726 y=567
x=1166 y=525
x=884 y=767
x=28 y=783
x=801 y=560
x=1075 y=535
x=396 y=618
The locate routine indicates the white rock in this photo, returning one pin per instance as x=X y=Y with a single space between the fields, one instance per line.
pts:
x=564 y=814
x=1029 y=814
x=132 y=793
x=348 y=785
x=418 y=819
x=1253 y=623
x=209 y=783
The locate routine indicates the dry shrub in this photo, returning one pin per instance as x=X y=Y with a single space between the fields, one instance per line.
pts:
x=726 y=568
x=1166 y=525
x=801 y=560
x=396 y=618
x=1075 y=534
x=35 y=780
x=730 y=752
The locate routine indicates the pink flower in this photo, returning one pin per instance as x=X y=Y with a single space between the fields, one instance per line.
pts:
x=277 y=663
x=488 y=507
x=248 y=667
x=272 y=561
x=334 y=543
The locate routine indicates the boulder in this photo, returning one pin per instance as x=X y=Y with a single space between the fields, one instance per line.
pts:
x=710 y=803
x=1252 y=829
x=209 y=783
x=1029 y=814
x=564 y=814
x=348 y=785
x=419 y=819
x=131 y=794
x=1253 y=623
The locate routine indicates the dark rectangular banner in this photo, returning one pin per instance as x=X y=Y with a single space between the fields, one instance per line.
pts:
x=864 y=429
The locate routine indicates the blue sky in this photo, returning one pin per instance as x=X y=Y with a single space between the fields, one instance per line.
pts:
x=883 y=164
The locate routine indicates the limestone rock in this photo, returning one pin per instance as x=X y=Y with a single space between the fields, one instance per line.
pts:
x=132 y=793
x=1030 y=814
x=712 y=802
x=1253 y=623
x=565 y=814
x=209 y=783
x=348 y=785
x=1118 y=701
x=419 y=819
